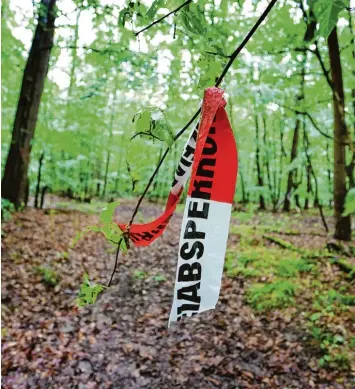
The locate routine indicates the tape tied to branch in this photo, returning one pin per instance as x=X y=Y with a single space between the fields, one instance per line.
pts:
x=210 y=157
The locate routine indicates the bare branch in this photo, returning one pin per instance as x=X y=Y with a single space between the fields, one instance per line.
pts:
x=218 y=54
x=305 y=113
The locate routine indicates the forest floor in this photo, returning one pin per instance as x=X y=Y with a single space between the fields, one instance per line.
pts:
x=284 y=318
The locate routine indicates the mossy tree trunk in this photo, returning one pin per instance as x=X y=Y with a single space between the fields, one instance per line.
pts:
x=342 y=223
x=15 y=185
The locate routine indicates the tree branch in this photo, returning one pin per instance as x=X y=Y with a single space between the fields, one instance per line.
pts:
x=217 y=54
x=116 y=261
x=245 y=41
x=305 y=113
x=164 y=17
x=177 y=136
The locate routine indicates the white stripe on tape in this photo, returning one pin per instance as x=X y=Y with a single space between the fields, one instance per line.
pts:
x=202 y=248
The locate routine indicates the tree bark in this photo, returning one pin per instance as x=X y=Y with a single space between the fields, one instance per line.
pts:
x=342 y=223
x=260 y=179
x=351 y=165
x=40 y=161
x=15 y=181
x=292 y=174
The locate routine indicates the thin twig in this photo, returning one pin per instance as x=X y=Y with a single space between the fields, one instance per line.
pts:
x=177 y=136
x=218 y=54
x=245 y=41
x=164 y=17
x=116 y=261
x=298 y=112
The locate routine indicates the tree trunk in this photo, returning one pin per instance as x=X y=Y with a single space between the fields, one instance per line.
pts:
x=242 y=185
x=39 y=179
x=15 y=180
x=282 y=156
x=316 y=192
x=329 y=172
x=43 y=193
x=351 y=165
x=308 y=166
x=342 y=223
x=292 y=173
x=260 y=179
x=267 y=158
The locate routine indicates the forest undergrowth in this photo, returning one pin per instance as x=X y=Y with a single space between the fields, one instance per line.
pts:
x=284 y=317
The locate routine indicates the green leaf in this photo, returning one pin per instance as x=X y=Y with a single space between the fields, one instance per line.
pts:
x=124 y=14
x=88 y=292
x=151 y=121
x=107 y=213
x=315 y=316
x=349 y=203
x=81 y=233
x=327 y=13
x=159 y=278
x=124 y=247
x=210 y=69
x=194 y=20
x=154 y=8
x=339 y=339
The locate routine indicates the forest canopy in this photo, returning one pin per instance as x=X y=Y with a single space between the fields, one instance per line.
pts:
x=117 y=92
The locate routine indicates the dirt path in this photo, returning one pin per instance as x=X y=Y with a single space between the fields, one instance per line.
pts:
x=122 y=341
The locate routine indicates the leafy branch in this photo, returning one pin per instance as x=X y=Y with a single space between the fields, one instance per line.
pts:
x=177 y=136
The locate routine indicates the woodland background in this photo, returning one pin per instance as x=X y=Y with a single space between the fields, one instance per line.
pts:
x=90 y=102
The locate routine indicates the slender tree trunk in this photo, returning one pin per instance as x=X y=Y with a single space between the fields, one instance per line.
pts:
x=15 y=181
x=39 y=179
x=260 y=179
x=242 y=185
x=329 y=172
x=292 y=174
x=351 y=165
x=43 y=193
x=266 y=158
x=316 y=192
x=282 y=156
x=308 y=166
x=342 y=223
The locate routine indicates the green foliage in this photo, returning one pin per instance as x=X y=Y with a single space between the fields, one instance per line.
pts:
x=334 y=354
x=7 y=208
x=140 y=274
x=194 y=20
x=327 y=13
x=277 y=294
x=155 y=7
x=292 y=267
x=84 y=122
x=107 y=213
x=108 y=228
x=62 y=255
x=349 y=202
x=159 y=278
x=335 y=345
x=150 y=121
x=89 y=292
x=49 y=276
